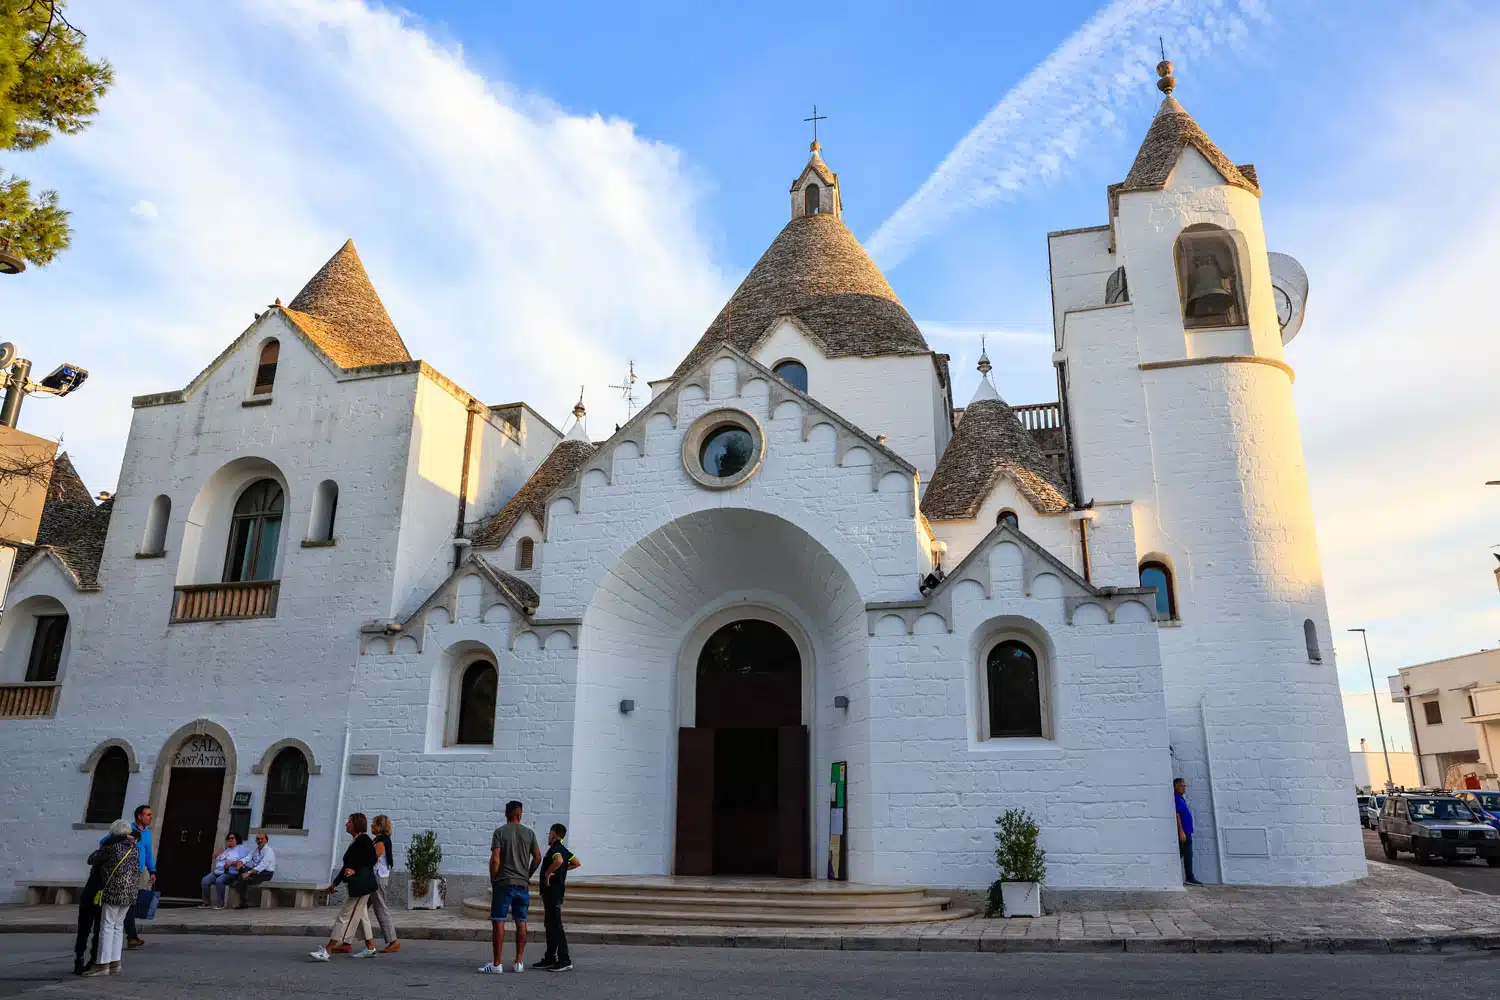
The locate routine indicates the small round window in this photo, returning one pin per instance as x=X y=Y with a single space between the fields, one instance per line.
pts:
x=726 y=451
x=793 y=373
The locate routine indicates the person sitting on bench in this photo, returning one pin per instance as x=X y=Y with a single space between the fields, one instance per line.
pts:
x=258 y=867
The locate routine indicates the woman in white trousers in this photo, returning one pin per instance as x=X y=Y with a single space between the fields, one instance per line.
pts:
x=120 y=864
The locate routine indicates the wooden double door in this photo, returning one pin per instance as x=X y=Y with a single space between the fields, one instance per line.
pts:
x=189 y=829
x=743 y=769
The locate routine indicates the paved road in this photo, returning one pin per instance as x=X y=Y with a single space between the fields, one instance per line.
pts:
x=191 y=967
x=1475 y=875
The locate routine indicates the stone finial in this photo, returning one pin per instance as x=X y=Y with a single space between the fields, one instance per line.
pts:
x=578 y=432
x=1167 y=82
x=578 y=410
x=984 y=365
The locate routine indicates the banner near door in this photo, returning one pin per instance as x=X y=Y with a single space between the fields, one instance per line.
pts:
x=838 y=846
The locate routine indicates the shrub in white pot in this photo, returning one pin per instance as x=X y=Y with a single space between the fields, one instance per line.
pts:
x=1023 y=867
x=426 y=890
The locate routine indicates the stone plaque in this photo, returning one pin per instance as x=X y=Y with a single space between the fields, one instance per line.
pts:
x=1247 y=842
x=364 y=764
x=200 y=751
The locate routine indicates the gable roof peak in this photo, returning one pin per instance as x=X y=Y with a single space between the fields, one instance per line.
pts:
x=1172 y=131
x=341 y=312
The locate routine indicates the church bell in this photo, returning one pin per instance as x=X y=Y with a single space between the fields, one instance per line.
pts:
x=1208 y=294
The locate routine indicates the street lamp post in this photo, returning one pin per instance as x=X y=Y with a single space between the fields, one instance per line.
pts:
x=1375 y=694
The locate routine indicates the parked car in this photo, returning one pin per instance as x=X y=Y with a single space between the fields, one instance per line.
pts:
x=1372 y=810
x=1436 y=825
x=1487 y=804
x=1364 y=804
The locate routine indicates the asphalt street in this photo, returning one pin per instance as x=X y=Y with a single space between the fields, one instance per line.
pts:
x=1476 y=876
x=190 y=967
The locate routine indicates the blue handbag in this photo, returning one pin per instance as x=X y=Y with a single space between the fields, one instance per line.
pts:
x=145 y=904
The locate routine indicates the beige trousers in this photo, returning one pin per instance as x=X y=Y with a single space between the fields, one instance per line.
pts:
x=353 y=924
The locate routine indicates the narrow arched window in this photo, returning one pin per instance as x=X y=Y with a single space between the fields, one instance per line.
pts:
x=1013 y=685
x=1157 y=576
x=811 y=199
x=107 y=791
x=476 y=704
x=265 y=370
x=325 y=508
x=525 y=553
x=154 y=540
x=793 y=373
x=286 y=790
x=1208 y=278
x=1310 y=635
x=47 y=647
x=254 y=533
x=1009 y=517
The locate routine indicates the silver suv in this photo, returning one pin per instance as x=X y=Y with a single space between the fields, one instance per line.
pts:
x=1435 y=825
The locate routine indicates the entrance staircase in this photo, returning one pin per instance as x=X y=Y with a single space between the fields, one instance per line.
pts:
x=650 y=901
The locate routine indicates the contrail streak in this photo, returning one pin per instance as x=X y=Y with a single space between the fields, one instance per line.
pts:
x=1074 y=95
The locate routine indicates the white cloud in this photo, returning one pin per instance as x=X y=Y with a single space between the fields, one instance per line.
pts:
x=520 y=249
x=145 y=209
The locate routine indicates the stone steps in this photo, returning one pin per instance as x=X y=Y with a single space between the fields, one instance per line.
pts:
x=655 y=900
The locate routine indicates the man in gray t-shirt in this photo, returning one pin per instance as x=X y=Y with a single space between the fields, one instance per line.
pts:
x=514 y=856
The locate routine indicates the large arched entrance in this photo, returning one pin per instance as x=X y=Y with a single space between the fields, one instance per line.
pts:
x=742 y=779
x=190 y=792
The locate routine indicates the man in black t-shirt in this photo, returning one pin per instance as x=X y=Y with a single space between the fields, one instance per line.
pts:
x=556 y=864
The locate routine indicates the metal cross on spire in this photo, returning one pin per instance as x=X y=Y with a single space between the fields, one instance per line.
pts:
x=815 y=119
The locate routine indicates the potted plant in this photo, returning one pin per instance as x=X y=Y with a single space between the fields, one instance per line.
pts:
x=1023 y=867
x=426 y=891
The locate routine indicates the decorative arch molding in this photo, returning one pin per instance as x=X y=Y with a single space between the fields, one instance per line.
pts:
x=161 y=775
x=543 y=630
x=497 y=589
x=92 y=761
x=733 y=608
x=264 y=764
x=1035 y=562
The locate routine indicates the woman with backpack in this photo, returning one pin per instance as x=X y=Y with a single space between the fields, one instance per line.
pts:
x=358 y=874
x=119 y=860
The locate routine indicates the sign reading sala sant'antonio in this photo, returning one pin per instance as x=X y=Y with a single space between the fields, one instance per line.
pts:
x=200 y=751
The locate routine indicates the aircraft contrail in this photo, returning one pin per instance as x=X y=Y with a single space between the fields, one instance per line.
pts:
x=1047 y=119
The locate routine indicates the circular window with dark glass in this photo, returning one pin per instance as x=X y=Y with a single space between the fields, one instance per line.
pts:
x=726 y=451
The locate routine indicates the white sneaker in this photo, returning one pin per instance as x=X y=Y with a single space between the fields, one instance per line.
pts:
x=491 y=967
x=366 y=953
x=518 y=967
x=321 y=955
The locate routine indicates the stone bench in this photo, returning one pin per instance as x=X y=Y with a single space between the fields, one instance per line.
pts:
x=63 y=892
x=302 y=895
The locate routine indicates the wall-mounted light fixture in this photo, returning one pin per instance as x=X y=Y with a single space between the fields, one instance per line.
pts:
x=841 y=701
x=627 y=705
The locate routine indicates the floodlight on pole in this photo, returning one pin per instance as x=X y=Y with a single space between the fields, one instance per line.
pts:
x=1375 y=694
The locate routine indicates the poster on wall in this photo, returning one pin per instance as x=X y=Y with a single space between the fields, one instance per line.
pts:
x=838 y=846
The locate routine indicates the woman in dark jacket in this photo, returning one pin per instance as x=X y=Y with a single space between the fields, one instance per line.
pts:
x=358 y=873
x=120 y=865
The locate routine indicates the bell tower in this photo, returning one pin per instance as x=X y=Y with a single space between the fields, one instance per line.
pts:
x=816 y=189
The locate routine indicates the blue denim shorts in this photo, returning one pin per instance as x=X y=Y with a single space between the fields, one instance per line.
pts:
x=509 y=901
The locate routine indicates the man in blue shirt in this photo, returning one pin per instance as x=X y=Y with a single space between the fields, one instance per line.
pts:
x=1184 y=831
x=142 y=826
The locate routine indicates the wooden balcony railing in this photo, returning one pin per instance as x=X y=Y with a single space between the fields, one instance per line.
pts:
x=217 y=602
x=34 y=700
x=1039 y=416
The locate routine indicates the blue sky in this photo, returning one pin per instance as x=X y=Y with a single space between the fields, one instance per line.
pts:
x=543 y=193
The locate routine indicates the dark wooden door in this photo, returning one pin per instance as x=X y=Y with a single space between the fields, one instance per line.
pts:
x=189 y=825
x=695 y=801
x=791 y=802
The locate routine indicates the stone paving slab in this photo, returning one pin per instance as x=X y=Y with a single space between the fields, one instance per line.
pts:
x=1391 y=910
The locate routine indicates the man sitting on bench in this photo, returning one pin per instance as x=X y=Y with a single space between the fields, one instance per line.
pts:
x=258 y=867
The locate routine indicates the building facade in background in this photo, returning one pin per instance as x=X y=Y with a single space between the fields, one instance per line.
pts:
x=1452 y=709
x=332 y=579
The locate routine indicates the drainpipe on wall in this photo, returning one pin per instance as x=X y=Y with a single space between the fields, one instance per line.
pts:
x=1416 y=741
x=460 y=543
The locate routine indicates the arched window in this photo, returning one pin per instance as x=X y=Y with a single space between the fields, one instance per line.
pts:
x=1310 y=635
x=1157 y=575
x=325 y=507
x=811 y=199
x=265 y=371
x=154 y=541
x=1009 y=517
x=47 y=647
x=525 y=553
x=254 y=533
x=1208 y=278
x=286 y=790
x=793 y=373
x=107 y=792
x=476 y=704
x=1013 y=691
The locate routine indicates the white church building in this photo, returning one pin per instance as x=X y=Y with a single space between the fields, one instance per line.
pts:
x=331 y=579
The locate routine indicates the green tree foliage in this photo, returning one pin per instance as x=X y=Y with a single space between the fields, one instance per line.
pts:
x=1018 y=854
x=48 y=85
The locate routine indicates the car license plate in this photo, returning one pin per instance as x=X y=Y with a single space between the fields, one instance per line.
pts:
x=1465 y=851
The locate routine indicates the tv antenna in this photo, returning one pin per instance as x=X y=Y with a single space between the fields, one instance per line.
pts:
x=627 y=390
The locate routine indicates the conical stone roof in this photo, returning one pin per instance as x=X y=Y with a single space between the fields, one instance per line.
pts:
x=1172 y=131
x=816 y=272
x=988 y=443
x=340 y=311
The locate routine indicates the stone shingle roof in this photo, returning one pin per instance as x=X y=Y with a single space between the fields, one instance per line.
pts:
x=1172 y=131
x=340 y=312
x=522 y=594
x=816 y=272
x=817 y=165
x=531 y=498
x=72 y=527
x=988 y=443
